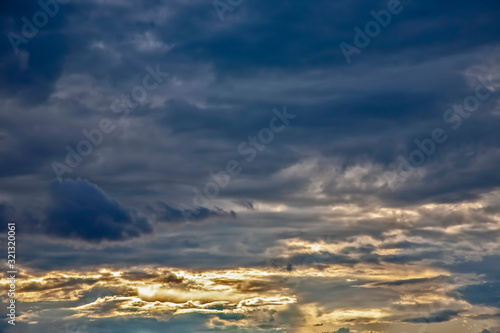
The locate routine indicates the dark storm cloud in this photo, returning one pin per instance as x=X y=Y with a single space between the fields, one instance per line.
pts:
x=487 y=316
x=437 y=317
x=353 y=113
x=6 y=212
x=318 y=28
x=166 y=213
x=81 y=210
x=31 y=72
x=415 y=281
x=249 y=204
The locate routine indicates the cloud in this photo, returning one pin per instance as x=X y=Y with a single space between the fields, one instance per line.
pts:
x=32 y=72
x=81 y=210
x=166 y=213
x=6 y=214
x=248 y=204
x=436 y=317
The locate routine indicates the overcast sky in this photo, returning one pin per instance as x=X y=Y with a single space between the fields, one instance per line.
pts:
x=252 y=166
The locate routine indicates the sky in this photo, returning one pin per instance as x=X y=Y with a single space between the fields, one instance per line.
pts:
x=251 y=166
